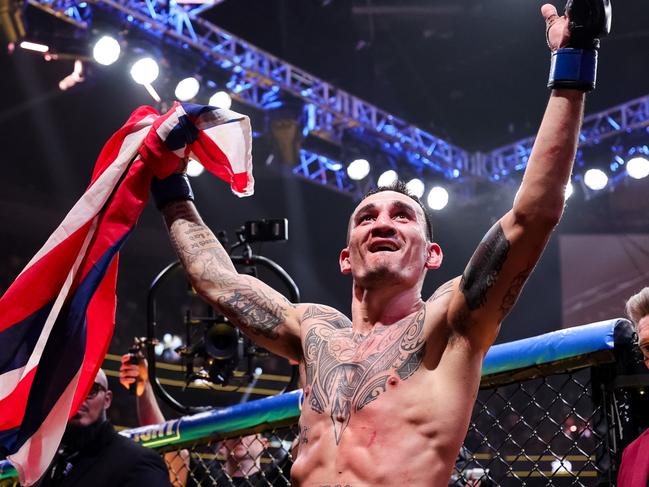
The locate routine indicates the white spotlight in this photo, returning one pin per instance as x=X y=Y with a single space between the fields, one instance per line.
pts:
x=638 y=167
x=569 y=189
x=388 y=178
x=145 y=71
x=33 y=46
x=106 y=51
x=187 y=88
x=194 y=168
x=595 y=179
x=220 y=99
x=416 y=187
x=358 y=169
x=437 y=198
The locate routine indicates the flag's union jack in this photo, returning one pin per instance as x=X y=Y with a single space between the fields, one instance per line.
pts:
x=57 y=318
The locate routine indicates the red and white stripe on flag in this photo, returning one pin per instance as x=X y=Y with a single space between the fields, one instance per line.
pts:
x=57 y=318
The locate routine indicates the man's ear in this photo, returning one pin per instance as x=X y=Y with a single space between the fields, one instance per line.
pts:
x=108 y=399
x=345 y=266
x=434 y=256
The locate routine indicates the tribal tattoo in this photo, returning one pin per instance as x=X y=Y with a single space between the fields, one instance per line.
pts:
x=445 y=288
x=346 y=371
x=484 y=267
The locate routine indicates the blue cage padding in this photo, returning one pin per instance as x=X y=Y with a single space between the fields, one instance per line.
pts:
x=520 y=354
x=233 y=418
x=550 y=347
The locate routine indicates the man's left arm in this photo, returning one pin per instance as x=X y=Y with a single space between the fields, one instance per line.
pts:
x=504 y=259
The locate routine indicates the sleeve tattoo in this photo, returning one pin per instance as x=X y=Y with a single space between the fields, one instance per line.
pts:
x=240 y=298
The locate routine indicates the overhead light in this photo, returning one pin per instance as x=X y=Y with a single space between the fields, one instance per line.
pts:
x=416 y=187
x=145 y=71
x=437 y=198
x=595 y=179
x=358 y=169
x=388 y=178
x=106 y=51
x=221 y=99
x=194 y=168
x=33 y=46
x=569 y=190
x=638 y=167
x=187 y=88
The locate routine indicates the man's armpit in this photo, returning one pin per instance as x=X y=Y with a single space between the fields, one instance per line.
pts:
x=484 y=267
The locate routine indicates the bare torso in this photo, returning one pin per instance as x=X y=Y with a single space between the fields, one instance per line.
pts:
x=387 y=408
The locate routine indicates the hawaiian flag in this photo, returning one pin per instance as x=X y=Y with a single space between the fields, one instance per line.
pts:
x=57 y=318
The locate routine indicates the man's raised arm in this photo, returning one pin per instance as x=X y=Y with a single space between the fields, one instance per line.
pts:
x=509 y=251
x=257 y=309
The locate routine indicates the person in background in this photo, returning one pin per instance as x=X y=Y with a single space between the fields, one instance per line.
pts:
x=634 y=469
x=134 y=370
x=241 y=456
x=93 y=454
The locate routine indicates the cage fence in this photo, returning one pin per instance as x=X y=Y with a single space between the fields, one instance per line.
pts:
x=557 y=414
x=262 y=458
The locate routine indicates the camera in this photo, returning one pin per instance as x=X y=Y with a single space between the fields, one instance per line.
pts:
x=266 y=230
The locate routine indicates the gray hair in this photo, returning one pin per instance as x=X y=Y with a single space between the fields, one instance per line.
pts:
x=637 y=306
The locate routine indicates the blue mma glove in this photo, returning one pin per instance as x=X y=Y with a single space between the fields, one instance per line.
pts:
x=574 y=40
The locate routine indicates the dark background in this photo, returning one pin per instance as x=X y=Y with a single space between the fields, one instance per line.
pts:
x=470 y=71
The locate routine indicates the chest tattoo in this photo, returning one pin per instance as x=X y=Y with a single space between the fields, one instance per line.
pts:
x=346 y=371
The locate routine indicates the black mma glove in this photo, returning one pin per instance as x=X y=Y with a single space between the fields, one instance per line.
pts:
x=574 y=40
x=173 y=188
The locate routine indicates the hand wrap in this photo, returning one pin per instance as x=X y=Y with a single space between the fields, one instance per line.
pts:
x=173 y=188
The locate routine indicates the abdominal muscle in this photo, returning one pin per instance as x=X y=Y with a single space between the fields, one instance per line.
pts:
x=408 y=436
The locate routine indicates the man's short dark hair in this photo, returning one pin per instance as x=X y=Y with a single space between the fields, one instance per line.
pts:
x=401 y=187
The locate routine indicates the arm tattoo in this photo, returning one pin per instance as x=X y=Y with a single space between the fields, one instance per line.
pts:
x=253 y=310
x=237 y=296
x=445 y=288
x=514 y=290
x=484 y=267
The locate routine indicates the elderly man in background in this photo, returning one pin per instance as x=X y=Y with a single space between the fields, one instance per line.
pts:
x=634 y=469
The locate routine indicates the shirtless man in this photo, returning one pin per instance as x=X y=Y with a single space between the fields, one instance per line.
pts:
x=388 y=394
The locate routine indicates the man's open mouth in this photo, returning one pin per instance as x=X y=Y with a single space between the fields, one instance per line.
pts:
x=384 y=247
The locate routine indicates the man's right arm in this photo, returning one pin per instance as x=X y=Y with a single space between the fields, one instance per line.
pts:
x=258 y=310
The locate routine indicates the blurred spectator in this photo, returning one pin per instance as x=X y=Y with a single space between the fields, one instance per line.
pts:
x=93 y=454
x=134 y=371
x=634 y=469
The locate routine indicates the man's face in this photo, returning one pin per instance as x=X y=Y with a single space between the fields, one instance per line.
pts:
x=246 y=448
x=643 y=338
x=387 y=240
x=97 y=401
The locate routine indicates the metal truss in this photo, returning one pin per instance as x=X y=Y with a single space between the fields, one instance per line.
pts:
x=619 y=120
x=325 y=171
x=257 y=78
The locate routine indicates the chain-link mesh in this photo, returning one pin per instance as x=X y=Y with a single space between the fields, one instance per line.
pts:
x=250 y=460
x=549 y=431
x=555 y=430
